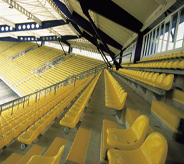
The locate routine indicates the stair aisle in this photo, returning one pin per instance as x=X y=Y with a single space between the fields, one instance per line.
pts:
x=93 y=119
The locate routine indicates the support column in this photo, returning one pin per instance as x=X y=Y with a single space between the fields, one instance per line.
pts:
x=69 y=49
x=138 y=47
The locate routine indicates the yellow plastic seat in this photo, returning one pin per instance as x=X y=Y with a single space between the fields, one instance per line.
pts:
x=25 y=125
x=153 y=151
x=36 y=159
x=117 y=104
x=42 y=123
x=175 y=65
x=153 y=79
x=170 y=116
x=164 y=64
x=159 y=80
x=79 y=147
x=154 y=65
x=31 y=120
x=8 y=137
x=17 y=130
x=115 y=96
x=5 y=129
x=149 y=76
x=146 y=75
x=178 y=96
x=181 y=65
x=167 y=82
x=129 y=139
x=104 y=146
x=169 y=64
x=160 y=64
x=31 y=134
x=157 y=65
x=13 y=158
x=70 y=121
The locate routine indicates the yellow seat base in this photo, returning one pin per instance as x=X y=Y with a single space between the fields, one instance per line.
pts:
x=104 y=146
x=79 y=147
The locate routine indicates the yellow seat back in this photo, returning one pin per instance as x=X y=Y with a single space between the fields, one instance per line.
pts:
x=167 y=82
x=140 y=127
x=175 y=64
x=169 y=64
x=150 y=76
x=146 y=75
x=181 y=65
x=164 y=64
x=160 y=78
x=154 y=77
x=57 y=157
x=155 y=148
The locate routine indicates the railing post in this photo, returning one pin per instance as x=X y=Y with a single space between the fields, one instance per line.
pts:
x=36 y=97
x=23 y=102
x=39 y=95
x=1 y=110
x=28 y=101
x=12 y=107
x=18 y=105
x=74 y=81
x=54 y=89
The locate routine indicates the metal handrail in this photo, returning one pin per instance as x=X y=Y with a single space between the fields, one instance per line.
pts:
x=124 y=56
x=20 y=53
x=69 y=80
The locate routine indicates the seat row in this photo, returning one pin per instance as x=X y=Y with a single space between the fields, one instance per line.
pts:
x=52 y=155
x=72 y=117
x=115 y=95
x=6 y=45
x=163 y=57
x=77 y=153
x=161 y=64
x=157 y=80
x=60 y=103
x=70 y=67
x=170 y=118
x=13 y=125
x=128 y=145
x=14 y=50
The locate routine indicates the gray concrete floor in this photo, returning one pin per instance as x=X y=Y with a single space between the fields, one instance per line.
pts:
x=92 y=119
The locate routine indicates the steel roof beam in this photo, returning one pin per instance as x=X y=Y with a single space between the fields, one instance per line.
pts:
x=31 y=26
x=55 y=6
x=7 y=22
x=10 y=39
x=79 y=20
x=34 y=39
x=105 y=9
x=23 y=11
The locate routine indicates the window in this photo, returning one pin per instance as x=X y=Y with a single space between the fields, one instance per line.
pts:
x=168 y=35
x=157 y=39
x=160 y=38
x=172 y=32
x=179 y=38
x=164 y=46
x=152 y=42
